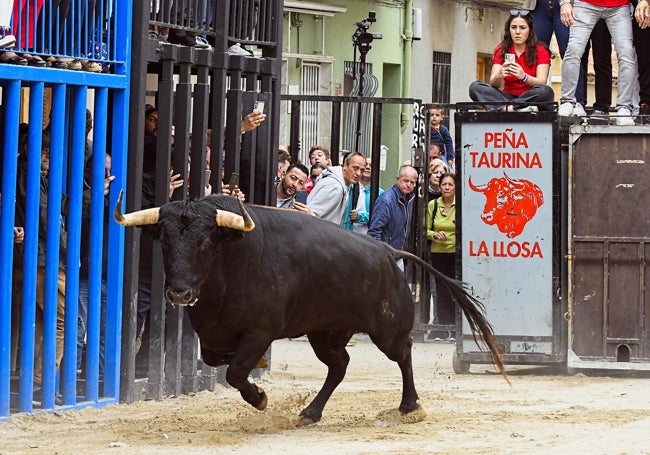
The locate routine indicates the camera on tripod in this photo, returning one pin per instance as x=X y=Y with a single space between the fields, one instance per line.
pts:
x=362 y=37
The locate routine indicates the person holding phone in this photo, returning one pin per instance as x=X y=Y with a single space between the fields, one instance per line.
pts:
x=520 y=68
x=291 y=189
x=254 y=119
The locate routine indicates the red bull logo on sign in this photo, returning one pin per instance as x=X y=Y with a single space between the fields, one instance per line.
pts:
x=510 y=203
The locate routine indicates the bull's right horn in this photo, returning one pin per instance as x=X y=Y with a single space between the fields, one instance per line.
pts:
x=230 y=220
x=139 y=218
x=516 y=183
x=479 y=189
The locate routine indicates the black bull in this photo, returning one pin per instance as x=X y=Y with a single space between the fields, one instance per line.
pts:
x=271 y=273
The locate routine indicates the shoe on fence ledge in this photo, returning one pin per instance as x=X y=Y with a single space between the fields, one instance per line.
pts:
x=237 y=49
x=624 y=117
x=598 y=117
x=566 y=109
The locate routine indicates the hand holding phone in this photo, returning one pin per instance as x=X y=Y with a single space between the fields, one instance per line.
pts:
x=301 y=196
x=259 y=107
x=234 y=181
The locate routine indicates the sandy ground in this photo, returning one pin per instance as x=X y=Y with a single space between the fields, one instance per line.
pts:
x=478 y=413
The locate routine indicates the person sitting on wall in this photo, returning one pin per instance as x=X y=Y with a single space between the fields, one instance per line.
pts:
x=520 y=67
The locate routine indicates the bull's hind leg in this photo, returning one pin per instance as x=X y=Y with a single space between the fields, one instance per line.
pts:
x=329 y=347
x=398 y=349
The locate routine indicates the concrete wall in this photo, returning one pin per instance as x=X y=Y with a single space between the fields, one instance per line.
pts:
x=465 y=32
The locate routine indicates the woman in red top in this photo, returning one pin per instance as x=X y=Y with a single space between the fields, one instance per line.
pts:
x=520 y=67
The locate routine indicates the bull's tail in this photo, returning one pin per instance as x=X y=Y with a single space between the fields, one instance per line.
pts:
x=472 y=308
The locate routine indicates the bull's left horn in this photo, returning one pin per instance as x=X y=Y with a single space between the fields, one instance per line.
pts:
x=241 y=222
x=139 y=218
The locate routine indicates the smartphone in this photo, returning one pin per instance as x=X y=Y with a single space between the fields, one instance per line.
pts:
x=301 y=196
x=234 y=181
x=510 y=58
x=259 y=107
x=208 y=173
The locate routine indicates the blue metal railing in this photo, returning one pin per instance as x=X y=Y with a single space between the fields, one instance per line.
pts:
x=66 y=95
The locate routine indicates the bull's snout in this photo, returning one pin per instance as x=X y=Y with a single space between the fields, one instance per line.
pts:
x=181 y=297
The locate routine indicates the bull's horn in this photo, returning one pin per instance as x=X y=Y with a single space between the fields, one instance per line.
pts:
x=479 y=189
x=516 y=183
x=230 y=220
x=139 y=218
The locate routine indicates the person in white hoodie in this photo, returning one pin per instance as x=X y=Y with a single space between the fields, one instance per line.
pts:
x=329 y=198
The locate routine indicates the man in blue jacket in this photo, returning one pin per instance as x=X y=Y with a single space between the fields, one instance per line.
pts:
x=393 y=210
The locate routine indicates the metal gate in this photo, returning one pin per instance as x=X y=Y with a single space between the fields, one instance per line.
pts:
x=196 y=90
x=44 y=125
x=609 y=248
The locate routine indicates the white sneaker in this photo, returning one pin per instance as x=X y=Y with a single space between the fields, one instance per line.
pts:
x=624 y=117
x=566 y=109
x=579 y=111
x=201 y=43
x=528 y=109
x=237 y=49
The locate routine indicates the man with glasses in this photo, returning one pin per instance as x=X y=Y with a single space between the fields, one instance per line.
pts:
x=393 y=210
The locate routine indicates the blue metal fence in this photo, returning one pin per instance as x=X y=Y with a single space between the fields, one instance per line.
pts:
x=92 y=30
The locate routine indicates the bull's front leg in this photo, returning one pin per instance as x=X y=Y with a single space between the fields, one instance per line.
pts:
x=245 y=359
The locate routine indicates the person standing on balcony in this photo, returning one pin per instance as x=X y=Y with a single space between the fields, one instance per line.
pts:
x=582 y=18
x=641 y=29
x=546 y=15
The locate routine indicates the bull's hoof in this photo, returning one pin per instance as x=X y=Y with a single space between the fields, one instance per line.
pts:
x=414 y=416
x=262 y=363
x=304 y=421
x=265 y=400
x=409 y=409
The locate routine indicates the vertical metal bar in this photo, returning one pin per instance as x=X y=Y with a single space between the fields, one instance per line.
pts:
x=96 y=249
x=52 y=253
x=294 y=129
x=133 y=182
x=376 y=153
x=73 y=250
x=182 y=103
x=605 y=302
x=335 y=144
x=115 y=264
x=157 y=316
x=11 y=103
x=30 y=246
x=199 y=126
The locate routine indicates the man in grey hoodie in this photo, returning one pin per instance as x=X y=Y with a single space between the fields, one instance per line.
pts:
x=329 y=198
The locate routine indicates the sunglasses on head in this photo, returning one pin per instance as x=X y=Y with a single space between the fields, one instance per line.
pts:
x=519 y=12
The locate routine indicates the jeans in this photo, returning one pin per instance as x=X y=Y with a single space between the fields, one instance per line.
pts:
x=82 y=328
x=619 y=23
x=60 y=321
x=546 y=17
x=482 y=91
x=445 y=307
x=641 y=40
x=601 y=47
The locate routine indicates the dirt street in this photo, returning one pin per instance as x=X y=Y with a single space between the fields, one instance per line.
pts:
x=478 y=413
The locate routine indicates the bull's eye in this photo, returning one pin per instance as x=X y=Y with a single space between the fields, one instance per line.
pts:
x=206 y=244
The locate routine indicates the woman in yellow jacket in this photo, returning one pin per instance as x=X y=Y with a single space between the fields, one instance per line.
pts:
x=441 y=230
